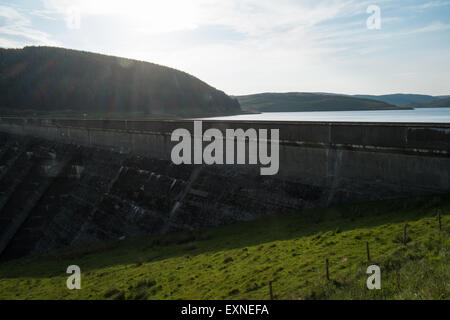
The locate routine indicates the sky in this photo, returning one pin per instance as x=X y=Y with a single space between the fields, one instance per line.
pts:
x=252 y=46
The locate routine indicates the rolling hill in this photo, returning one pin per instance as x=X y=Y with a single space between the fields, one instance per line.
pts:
x=56 y=81
x=296 y=101
x=400 y=99
x=439 y=103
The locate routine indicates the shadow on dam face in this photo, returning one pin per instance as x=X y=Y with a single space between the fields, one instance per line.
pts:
x=73 y=182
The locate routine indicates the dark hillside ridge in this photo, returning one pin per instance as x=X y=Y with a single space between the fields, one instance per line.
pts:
x=299 y=101
x=48 y=80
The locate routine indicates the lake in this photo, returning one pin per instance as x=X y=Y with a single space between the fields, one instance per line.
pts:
x=441 y=115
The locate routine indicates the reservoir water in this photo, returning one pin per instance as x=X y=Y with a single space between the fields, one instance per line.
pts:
x=440 y=115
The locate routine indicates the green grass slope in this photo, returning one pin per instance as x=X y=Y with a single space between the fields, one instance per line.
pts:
x=238 y=261
x=297 y=101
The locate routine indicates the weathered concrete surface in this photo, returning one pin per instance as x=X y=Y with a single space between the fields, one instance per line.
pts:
x=414 y=156
x=101 y=195
x=112 y=179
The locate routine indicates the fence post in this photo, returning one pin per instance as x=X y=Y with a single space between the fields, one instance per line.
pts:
x=328 y=274
x=439 y=220
x=270 y=290
x=368 y=251
x=404 y=234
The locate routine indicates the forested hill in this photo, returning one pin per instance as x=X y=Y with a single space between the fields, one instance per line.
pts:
x=298 y=101
x=400 y=99
x=438 y=103
x=56 y=81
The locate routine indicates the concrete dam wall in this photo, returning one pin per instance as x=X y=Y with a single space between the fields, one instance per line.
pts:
x=66 y=182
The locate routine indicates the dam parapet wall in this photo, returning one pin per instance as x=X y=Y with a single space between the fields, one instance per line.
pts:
x=434 y=137
x=400 y=156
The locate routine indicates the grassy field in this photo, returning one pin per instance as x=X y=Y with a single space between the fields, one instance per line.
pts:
x=238 y=261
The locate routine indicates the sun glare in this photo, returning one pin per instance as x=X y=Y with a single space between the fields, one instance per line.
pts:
x=147 y=16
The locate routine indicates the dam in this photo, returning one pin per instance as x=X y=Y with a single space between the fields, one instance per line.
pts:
x=68 y=182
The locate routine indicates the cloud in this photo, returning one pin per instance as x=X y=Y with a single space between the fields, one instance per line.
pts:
x=19 y=27
x=432 y=4
x=145 y=16
x=73 y=18
x=432 y=27
x=251 y=17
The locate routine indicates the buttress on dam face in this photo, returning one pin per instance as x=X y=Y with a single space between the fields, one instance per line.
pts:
x=73 y=182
